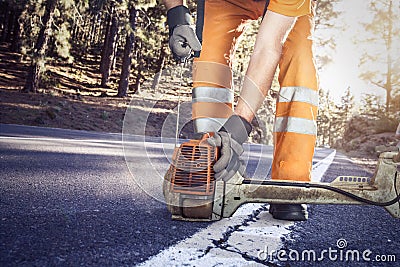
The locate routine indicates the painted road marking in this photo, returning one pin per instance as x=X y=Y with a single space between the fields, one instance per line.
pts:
x=60 y=139
x=236 y=241
x=319 y=169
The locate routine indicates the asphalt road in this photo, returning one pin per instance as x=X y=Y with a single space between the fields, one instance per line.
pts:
x=73 y=198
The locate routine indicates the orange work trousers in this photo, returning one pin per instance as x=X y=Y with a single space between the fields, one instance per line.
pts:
x=296 y=112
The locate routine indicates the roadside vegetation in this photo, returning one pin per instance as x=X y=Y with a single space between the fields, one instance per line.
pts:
x=78 y=64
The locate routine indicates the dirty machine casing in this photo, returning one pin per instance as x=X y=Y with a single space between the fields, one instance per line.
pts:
x=192 y=193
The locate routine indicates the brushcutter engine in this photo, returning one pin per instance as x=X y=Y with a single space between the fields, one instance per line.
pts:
x=190 y=179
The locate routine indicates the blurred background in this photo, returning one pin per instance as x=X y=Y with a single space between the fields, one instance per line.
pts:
x=78 y=64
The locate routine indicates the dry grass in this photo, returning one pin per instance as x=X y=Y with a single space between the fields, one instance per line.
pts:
x=70 y=97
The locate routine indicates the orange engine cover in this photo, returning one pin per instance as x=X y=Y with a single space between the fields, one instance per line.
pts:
x=192 y=168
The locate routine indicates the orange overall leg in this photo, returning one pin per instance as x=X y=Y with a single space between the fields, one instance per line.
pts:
x=212 y=96
x=295 y=122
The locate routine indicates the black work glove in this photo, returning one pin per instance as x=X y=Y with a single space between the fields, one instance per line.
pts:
x=230 y=139
x=182 y=37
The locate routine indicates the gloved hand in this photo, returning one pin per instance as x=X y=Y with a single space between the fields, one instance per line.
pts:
x=182 y=37
x=230 y=139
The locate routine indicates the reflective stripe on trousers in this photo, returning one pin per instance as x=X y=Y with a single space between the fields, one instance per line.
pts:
x=223 y=24
x=211 y=107
x=295 y=126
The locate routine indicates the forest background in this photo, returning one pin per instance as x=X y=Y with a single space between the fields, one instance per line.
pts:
x=80 y=64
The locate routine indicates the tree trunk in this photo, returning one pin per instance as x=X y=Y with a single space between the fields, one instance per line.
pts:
x=16 y=39
x=93 y=29
x=101 y=30
x=330 y=142
x=109 y=49
x=10 y=29
x=127 y=61
x=139 y=68
x=74 y=31
x=160 y=67
x=4 y=8
x=34 y=73
x=106 y=36
x=114 y=54
x=389 y=73
x=6 y=19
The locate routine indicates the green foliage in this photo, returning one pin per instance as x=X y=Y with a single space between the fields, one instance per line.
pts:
x=346 y=106
x=333 y=117
x=373 y=109
x=371 y=105
x=62 y=36
x=79 y=30
x=151 y=38
x=105 y=115
x=324 y=119
x=30 y=20
x=66 y=13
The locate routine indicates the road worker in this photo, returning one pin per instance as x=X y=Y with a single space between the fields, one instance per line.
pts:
x=284 y=39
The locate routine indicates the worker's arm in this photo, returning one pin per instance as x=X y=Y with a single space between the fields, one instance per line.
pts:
x=263 y=63
x=182 y=38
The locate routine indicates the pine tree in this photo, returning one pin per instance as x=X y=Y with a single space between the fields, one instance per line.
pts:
x=325 y=116
x=110 y=42
x=382 y=46
x=127 y=59
x=10 y=22
x=40 y=50
x=346 y=105
x=371 y=106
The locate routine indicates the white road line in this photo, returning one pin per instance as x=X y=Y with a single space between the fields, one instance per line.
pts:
x=319 y=169
x=59 y=139
x=236 y=241
x=140 y=139
x=232 y=241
